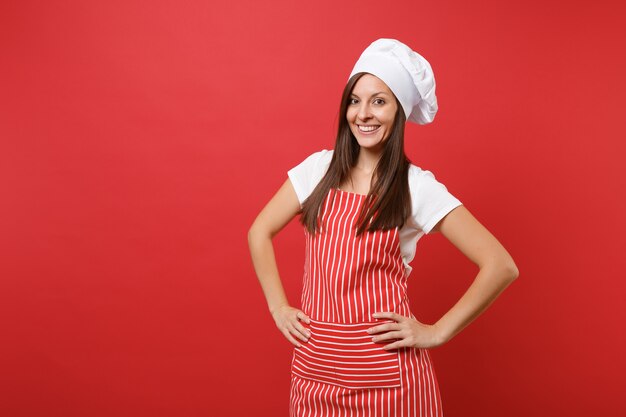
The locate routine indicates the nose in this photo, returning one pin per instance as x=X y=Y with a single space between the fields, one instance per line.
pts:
x=364 y=111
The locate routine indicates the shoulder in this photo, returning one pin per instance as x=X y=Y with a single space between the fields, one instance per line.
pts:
x=423 y=182
x=431 y=200
x=322 y=162
x=307 y=174
x=317 y=161
x=418 y=175
x=323 y=156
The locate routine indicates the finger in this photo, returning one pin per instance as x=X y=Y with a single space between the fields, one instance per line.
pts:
x=291 y=339
x=296 y=333
x=388 y=315
x=387 y=336
x=303 y=317
x=396 y=345
x=383 y=328
x=302 y=329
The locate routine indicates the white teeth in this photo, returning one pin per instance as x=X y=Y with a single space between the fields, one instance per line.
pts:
x=368 y=128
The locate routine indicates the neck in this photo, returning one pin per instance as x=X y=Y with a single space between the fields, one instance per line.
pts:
x=368 y=159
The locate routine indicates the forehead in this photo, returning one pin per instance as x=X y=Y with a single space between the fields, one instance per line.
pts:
x=369 y=84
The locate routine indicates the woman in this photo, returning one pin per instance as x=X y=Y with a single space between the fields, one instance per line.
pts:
x=358 y=348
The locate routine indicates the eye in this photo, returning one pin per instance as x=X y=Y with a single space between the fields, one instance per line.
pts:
x=379 y=101
x=353 y=101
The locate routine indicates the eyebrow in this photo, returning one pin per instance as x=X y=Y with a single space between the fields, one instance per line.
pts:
x=375 y=94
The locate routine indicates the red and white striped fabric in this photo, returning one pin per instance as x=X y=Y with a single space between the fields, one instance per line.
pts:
x=339 y=371
x=344 y=355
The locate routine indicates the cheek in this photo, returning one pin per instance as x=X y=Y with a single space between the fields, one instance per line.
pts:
x=391 y=116
x=384 y=112
x=387 y=119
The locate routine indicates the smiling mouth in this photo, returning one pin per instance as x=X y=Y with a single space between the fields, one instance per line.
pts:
x=368 y=128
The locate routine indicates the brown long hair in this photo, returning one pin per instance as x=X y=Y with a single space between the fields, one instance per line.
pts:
x=388 y=203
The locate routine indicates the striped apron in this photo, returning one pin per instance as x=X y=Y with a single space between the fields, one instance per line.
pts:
x=339 y=371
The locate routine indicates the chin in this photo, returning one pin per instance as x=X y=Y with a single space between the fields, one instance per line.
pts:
x=369 y=144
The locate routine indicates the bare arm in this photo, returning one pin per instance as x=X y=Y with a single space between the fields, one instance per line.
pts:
x=497 y=271
x=278 y=212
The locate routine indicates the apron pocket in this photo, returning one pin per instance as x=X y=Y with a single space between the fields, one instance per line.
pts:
x=344 y=355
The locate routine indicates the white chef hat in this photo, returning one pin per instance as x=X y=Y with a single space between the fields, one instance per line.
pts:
x=407 y=74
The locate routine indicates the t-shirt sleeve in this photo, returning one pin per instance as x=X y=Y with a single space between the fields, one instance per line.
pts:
x=306 y=175
x=431 y=200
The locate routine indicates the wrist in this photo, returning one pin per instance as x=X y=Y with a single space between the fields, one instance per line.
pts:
x=441 y=335
x=273 y=309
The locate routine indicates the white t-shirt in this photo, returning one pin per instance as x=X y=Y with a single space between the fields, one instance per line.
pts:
x=430 y=199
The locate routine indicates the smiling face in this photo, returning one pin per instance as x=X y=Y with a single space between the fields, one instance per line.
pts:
x=371 y=112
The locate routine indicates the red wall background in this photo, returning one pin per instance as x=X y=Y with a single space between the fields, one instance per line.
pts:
x=139 y=139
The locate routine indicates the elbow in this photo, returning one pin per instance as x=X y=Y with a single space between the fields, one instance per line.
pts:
x=506 y=267
x=511 y=271
x=256 y=232
x=253 y=232
x=503 y=268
